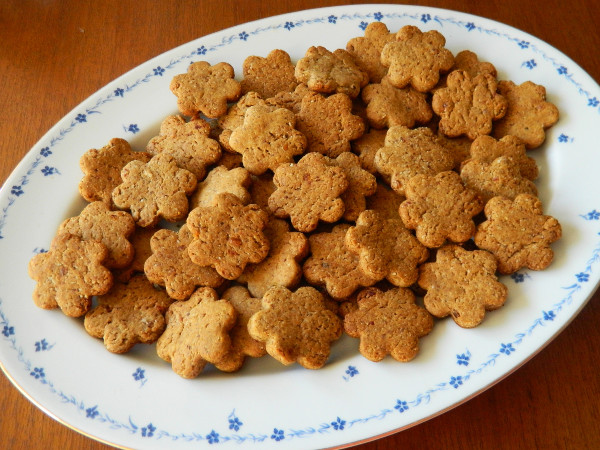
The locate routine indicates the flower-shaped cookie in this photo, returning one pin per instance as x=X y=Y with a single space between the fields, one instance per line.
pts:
x=228 y=235
x=70 y=274
x=140 y=239
x=281 y=267
x=155 y=189
x=440 y=208
x=385 y=201
x=197 y=333
x=170 y=265
x=462 y=284
x=205 y=89
x=416 y=58
x=270 y=75
x=235 y=116
x=366 y=147
x=219 y=180
x=518 y=233
x=188 y=142
x=130 y=313
x=366 y=49
x=267 y=139
x=388 y=323
x=102 y=169
x=308 y=191
x=113 y=228
x=386 y=249
x=528 y=114
x=296 y=326
x=468 y=105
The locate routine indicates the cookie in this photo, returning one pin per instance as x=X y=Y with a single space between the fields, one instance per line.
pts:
x=386 y=249
x=296 y=326
x=289 y=100
x=416 y=58
x=205 y=89
x=328 y=123
x=102 y=169
x=468 y=61
x=70 y=274
x=366 y=147
x=333 y=265
x=227 y=235
x=388 y=323
x=269 y=76
x=440 y=208
x=130 y=313
x=366 y=50
x=330 y=72
x=308 y=192
x=235 y=116
x=528 y=113
x=468 y=105
x=267 y=138
x=154 y=190
x=517 y=233
x=113 y=228
x=388 y=106
x=197 y=332
x=409 y=152
x=261 y=189
x=385 y=201
x=462 y=284
x=188 y=142
x=221 y=180
x=140 y=239
x=170 y=266
x=282 y=266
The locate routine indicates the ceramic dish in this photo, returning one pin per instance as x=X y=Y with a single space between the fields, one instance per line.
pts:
x=136 y=401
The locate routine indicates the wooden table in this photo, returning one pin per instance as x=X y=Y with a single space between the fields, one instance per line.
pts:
x=54 y=54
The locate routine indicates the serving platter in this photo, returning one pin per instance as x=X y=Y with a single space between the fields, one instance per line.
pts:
x=136 y=401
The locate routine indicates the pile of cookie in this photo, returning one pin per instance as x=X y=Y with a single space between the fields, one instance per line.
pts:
x=366 y=190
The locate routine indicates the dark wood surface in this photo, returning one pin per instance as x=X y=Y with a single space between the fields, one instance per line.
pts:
x=54 y=54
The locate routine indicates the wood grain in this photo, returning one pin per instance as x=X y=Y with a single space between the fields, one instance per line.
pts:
x=54 y=54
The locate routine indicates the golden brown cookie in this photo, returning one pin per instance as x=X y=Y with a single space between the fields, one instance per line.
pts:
x=188 y=142
x=366 y=50
x=366 y=147
x=261 y=189
x=518 y=233
x=308 y=192
x=289 y=100
x=154 y=190
x=267 y=138
x=333 y=265
x=235 y=116
x=388 y=323
x=296 y=326
x=281 y=267
x=70 y=274
x=468 y=106
x=170 y=265
x=462 y=284
x=102 y=169
x=205 y=89
x=130 y=313
x=416 y=58
x=440 y=208
x=219 y=180
x=385 y=201
x=386 y=249
x=113 y=228
x=197 y=332
x=227 y=235
x=487 y=149
x=140 y=239
x=270 y=75
x=528 y=114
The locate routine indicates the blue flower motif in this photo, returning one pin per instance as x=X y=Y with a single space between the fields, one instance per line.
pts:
x=518 y=277
x=49 y=171
x=201 y=50
x=235 y=423
x=338 y=424
x=42 y=345
x=378 y=16
x=16 y=190
x=363 y=25
x=133 y=128
x=81 y=118
x=37 y=373
x=243 y=36
x=92 y=412
x=332 y=19
x=530 y=64
x=523 y=44
x=139 y=374
x=45 y=152
x=277 y=435
x=562 y=70
x=592 y=215
x=425 y=18
x=401 y=406
x=593 y=102
x=582 y=277
x=462 y=359
x=549 y=315
x=289 y=25
x=158 y=71
x=507 y=349
x=455 y=382
x=351 y=371
x=148 y=430
x=7 y=331
x=213 y=437
x=470 y=26
x=119 y=92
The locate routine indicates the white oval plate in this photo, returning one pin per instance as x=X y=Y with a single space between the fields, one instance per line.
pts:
x=135 y=400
